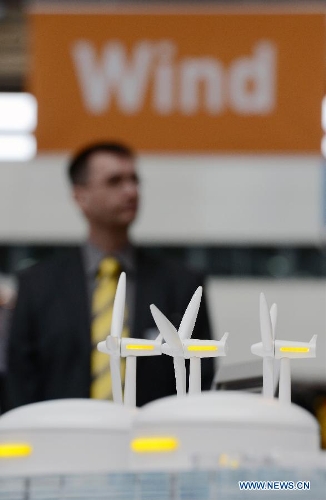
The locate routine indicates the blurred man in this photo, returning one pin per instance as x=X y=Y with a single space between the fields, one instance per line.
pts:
x=57 y=320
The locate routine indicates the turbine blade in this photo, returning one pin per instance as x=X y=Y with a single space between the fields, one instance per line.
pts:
x=116 y=379
x=180 y=375
x=166 y=328
x=268 y=377
x=273 y=315
x=119 y=307
x=265 y=325
x=189 y=318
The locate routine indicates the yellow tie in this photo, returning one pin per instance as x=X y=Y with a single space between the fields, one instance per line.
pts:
x=102 y=308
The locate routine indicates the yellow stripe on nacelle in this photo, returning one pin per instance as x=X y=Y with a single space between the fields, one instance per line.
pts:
x=294 y=349
x=140 y=347
x=202 y=348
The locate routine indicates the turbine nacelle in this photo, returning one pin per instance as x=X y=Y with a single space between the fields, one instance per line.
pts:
x=295 y=350
x=140 y=347
x=130 y=347
x=198 y=348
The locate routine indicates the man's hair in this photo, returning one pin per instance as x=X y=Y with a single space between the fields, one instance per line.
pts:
x=78 y=166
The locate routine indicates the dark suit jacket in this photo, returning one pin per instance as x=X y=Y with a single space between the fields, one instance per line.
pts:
x=49 y=342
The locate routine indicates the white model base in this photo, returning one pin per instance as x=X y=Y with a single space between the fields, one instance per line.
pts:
x=67 y=436
x=204 y=429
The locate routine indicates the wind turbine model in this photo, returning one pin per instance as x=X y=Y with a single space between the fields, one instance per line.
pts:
x=270 y=349
x=128 y=348
x=180 y=347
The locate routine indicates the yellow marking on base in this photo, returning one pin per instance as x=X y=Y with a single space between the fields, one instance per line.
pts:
x=15 y=450
x=154 y=444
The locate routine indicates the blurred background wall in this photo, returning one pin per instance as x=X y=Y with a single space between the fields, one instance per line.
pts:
x=242 y=199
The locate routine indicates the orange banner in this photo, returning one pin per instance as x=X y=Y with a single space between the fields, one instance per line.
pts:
x=184 y=82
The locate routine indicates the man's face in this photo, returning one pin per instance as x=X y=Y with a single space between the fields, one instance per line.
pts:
x=110 y=196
